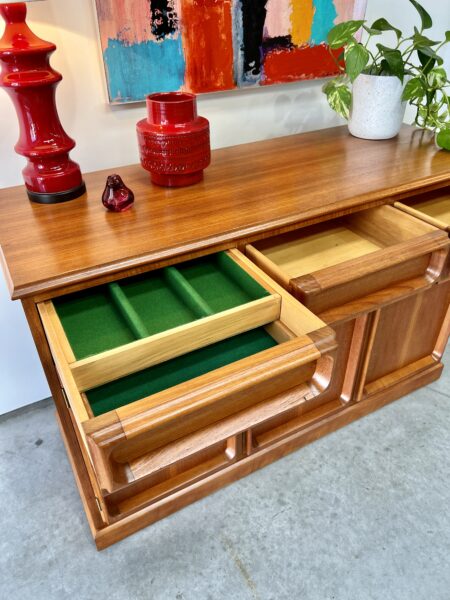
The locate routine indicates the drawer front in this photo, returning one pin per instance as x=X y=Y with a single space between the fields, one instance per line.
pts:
x=163 y=410
x=339 y=392
x=170 y=470
x=336 y=263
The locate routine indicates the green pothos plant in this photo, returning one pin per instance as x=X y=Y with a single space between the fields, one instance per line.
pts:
x=414 y=59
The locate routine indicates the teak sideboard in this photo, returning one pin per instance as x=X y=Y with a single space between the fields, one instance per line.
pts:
x=213 y=329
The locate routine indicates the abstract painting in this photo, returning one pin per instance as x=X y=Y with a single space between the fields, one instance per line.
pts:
x=215 y=45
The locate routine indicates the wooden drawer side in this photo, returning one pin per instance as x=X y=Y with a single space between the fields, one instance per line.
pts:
x=433 y=208
x=370 y=251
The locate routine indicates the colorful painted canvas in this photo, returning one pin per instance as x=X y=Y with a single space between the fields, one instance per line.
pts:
x=215 y=45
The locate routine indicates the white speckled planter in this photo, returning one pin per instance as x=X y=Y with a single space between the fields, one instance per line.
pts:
x=377 y=110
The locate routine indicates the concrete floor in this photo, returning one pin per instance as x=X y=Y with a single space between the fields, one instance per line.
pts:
x=362 y=514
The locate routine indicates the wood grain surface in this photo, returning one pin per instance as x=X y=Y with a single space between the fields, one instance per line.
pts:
x=248 y=192
x=383 y=340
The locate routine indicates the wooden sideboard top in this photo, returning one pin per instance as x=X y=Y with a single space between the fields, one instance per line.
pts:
x=248 y=191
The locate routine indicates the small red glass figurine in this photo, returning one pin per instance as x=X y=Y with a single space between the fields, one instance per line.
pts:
x=117 y=197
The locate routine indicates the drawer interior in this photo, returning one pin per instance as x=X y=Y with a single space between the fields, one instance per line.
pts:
x=325 y=245
x=112 y=331
x=433 y=208
x=116 y=314
x=157 y=378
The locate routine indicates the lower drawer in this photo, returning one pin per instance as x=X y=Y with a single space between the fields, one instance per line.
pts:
x=171 y=469
x=152 y=429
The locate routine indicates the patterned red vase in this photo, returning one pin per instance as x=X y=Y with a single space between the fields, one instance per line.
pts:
x=174 y=141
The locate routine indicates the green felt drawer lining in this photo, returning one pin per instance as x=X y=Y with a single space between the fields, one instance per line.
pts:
x=178 y=370
x=251 y=287
x=127 y=311
x=156 y=303
x=109 y=316
x=221 y=282
x=83 y=317
x=184 y=290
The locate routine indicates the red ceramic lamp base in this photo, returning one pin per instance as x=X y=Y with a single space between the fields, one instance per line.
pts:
x=57 y=197
x=27 y=77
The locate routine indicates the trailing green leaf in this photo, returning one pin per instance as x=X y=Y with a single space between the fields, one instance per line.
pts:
x=341 y=34
x=437 y=78
x=339 y=96
x=414 y=89
x=356 y=58
x=371 y=31
x=427 y=51
x=443 y=138
x=427 y=21
x=420 y=40
x=383 y=25
x=426 y=62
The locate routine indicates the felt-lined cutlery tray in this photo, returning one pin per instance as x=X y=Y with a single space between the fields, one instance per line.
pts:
x=152 y=359
x=126 y=326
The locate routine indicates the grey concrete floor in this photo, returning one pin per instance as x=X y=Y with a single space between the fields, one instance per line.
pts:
x=361 y=514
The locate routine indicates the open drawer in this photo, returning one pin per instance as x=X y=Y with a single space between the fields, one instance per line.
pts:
x=433 y=208
x=216 y=338
x=333 y=263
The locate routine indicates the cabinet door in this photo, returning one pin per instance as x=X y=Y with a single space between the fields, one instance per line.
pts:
x=410 y=335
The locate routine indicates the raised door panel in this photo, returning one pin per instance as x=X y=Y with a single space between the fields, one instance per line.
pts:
x=408 y=331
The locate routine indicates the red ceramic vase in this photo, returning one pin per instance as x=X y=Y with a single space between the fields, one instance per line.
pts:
x=173 y=140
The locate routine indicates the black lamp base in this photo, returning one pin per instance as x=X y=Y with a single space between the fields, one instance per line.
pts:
x=57 y=197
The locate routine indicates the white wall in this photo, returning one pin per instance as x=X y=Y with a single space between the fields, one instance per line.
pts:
x=106 y=137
